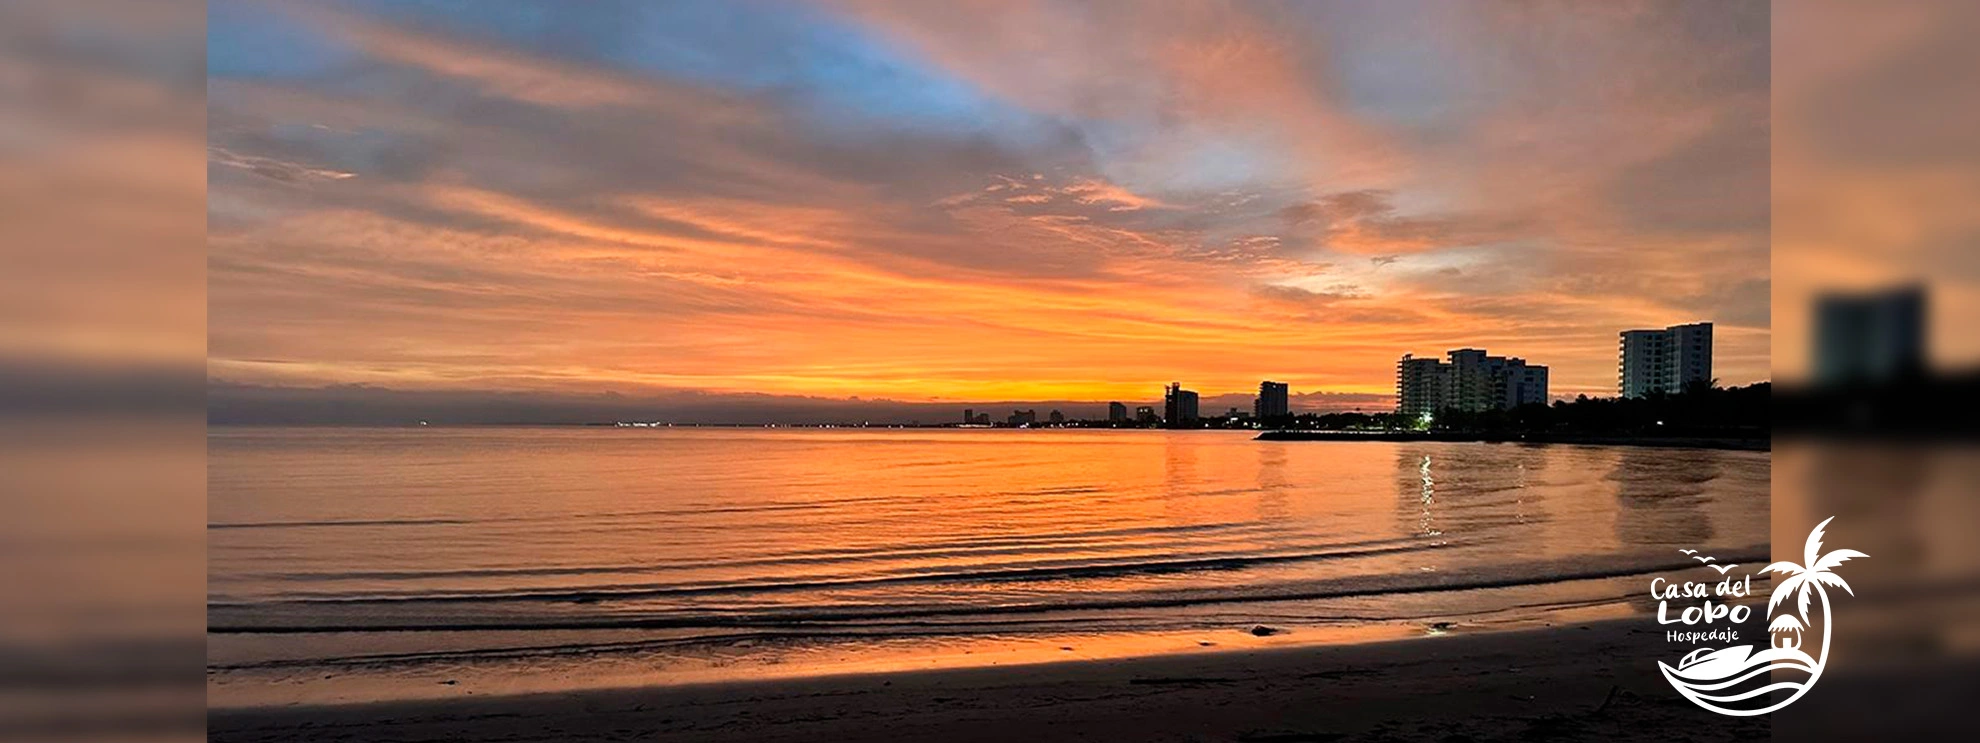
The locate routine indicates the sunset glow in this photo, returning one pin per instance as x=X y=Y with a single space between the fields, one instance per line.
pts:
x=974 y=201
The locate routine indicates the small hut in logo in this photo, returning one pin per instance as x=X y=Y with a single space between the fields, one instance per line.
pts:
x=1737 y=680
x=1786 y=631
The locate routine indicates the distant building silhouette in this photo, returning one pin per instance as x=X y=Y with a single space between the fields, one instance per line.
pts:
x=1869 y=338
x=1056 y=417
x=1116 y=413
x=969 y=416
x=1272 y=401
x=1145 y=414
x=1178 y=405
x=1471 y=380
x=983 y=419
x=1022 y=418
x=1664 y=361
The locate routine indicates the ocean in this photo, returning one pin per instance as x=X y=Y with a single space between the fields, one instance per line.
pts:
x=349 y=564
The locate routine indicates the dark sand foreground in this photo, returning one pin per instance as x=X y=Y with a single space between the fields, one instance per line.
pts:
x=1587 y=682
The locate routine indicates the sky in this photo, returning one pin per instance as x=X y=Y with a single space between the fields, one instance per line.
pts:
x=1876 y=169
x=934 y=204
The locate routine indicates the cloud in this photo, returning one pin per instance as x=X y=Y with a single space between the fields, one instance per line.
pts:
x=491 y=69
x=234 y=403
x=1293 y=295
x=1366 y=222
x=994 y=201
x=271 y=168
x=1203 y=94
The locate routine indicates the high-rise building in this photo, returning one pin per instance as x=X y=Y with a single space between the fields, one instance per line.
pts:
x=1116 y=413
x=1874 y=337
x=1471 y=380
x=1145 y=414
x=1471 y=385
x=1420 y=385
x=1525 y=384
x=969 y=416
x=1643 y=363
x=1271 y=402
x=1021 y=418
x=1178 y=405
x=1664 y=361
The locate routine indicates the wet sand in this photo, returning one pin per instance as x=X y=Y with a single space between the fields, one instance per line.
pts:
x=1583 y=682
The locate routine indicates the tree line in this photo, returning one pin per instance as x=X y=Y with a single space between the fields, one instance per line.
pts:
x=1703 y=409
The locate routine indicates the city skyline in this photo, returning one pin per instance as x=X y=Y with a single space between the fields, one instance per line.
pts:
x=1470 y=380
x=756 y=205
x=1651 y=361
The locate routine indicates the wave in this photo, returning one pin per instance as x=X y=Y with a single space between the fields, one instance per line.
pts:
x=692 y=510
x=1134 y=566
x=1723 y=671
x=585 y=647
x=1044 y=545
x=266 y=618
x=342 y=523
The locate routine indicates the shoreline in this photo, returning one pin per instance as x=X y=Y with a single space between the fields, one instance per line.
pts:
x=1595 y=679
x=1729 y=443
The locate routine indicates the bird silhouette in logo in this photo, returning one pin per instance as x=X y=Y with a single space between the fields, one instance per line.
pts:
x=1707 y=561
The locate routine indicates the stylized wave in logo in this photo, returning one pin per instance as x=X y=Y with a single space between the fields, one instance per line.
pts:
x=1740 y=682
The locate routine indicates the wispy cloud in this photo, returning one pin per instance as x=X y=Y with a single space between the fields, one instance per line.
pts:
x=994 y=201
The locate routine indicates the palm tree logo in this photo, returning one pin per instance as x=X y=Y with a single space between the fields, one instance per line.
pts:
x=1802 y=580
x=1733 y=680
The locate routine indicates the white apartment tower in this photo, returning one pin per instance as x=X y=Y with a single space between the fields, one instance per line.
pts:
x=1664 y=361
x=1420 y=385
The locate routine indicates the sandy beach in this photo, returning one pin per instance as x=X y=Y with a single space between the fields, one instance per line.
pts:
x=1581 y=682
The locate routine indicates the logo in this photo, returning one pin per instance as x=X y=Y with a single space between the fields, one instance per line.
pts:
x=1735 y=679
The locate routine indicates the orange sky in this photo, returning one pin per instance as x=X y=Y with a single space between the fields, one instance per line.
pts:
x=1875 y=172
x=979 y=201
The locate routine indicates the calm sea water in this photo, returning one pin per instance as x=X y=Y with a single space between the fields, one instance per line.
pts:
x=367 y=561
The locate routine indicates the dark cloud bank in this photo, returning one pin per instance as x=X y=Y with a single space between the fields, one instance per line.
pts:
x=230 y=403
